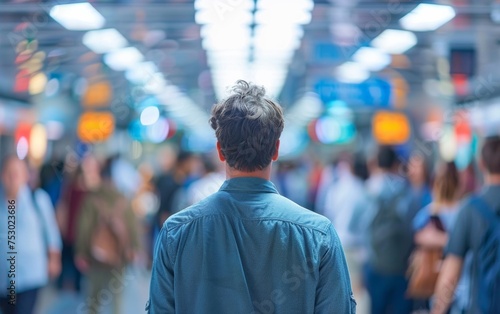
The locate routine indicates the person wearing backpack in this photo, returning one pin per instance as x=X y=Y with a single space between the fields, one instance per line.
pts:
x=389 y=237
x=106 y=241
x=30 y=243
x=476 y=230
x=432 y=225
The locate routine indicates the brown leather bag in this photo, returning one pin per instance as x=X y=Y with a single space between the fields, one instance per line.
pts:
x=423 y=271
x=425 y=264
x=110 y=243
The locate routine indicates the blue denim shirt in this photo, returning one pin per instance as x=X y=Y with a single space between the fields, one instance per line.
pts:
x=247 y=249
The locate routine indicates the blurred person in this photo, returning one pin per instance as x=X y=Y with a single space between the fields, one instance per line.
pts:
x=327 y=179
x=346 y=202
x=35 y=239
x=125 y=176
x=290 y=181
x=419 y=178
x=246 y=249
x=145 y=204
x=51 y=180
x=476 y=231
x=432 y=225
x=470 y=180
x=389 y=236
x=68 y=210
x=168 y=184
x=210 y=183
x=106 y=239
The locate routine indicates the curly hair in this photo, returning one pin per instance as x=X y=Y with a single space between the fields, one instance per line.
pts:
x=247 y=126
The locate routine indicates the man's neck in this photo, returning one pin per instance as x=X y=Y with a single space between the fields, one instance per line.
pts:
x=492 y=179
x=232 y=173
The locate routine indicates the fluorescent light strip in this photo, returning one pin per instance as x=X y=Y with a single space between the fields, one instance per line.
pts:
x=394 y=41
x=77 y=16
x=104 y=40
x=228 y=40
x=123 y=59
x=371 y=58
x=352 y=73
x=427 y=17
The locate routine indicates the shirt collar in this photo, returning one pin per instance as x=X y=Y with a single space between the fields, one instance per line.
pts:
x=249 y=184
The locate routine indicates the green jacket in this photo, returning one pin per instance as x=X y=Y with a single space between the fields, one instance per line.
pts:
x=104 y=202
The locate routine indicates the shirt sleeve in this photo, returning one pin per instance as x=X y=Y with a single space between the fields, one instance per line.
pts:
x=161 y=299
x=51 y=229
x=459 y=243
x=334 y=293
x=421 y=219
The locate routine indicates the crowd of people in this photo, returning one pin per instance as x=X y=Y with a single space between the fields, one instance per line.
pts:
x=408 y=226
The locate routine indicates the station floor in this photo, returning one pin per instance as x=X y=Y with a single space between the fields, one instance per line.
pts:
x=136 y=293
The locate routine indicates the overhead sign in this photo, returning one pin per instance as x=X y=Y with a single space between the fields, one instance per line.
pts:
x=372 y=92
x=95 y=126
x=391 y=128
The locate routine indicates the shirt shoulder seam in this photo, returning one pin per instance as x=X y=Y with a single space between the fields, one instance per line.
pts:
x=178 y=225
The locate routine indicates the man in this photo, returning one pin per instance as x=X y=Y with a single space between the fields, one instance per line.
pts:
x=246 y=249
x=28 y=221
x=388 y=225
x=468 y=233
x=106 y=239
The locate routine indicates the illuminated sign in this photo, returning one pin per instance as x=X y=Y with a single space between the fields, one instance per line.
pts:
x=391 y=128
x=95 y=126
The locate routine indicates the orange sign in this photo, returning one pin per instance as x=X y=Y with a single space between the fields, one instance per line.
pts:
x=391 y=128
x=97 y=95
x=95 y=126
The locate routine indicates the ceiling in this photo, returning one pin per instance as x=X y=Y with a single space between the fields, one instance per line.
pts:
x=166 y=33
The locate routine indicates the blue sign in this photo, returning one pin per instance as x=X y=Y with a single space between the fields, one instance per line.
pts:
x=374 y=92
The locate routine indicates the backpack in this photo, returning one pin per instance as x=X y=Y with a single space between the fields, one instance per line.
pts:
x=390 y=236
x=110 y=242
x=488 y=259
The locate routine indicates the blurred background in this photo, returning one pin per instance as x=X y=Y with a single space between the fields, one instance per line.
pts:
x=133 y=82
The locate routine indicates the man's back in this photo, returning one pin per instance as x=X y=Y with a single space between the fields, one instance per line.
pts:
x=246 y=249
x=467 y=236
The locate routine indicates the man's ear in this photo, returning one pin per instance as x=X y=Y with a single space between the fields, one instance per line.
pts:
x=276 y=153
x=219 y=153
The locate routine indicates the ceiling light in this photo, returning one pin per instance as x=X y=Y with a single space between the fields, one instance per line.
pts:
x=395 y=41
x=150 y=115
x=306 y=5
x=372 y=58
x=427 y=17
x=104 y=40
x=141 y=72
x=77 y=16
x=352 y=72
x=123 y=59
x=291 y=17
x=216 y=15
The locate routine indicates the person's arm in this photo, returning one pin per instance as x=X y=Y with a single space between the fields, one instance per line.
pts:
x=161 y=298
x=85 y=222
x=432 y=238
x=52 y=235
x=132 y=227
x=447 y=283
x=456 y=250
x=334 y=293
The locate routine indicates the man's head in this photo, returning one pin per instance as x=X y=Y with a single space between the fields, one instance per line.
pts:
x=248 y=127
x=387 y=159
x=490 y=155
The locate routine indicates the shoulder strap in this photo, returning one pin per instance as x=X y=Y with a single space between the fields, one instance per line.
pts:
x=485 y=210
x=40 y=217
